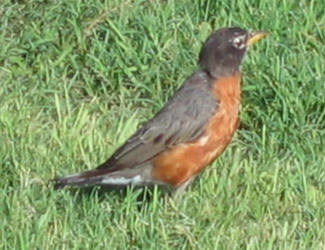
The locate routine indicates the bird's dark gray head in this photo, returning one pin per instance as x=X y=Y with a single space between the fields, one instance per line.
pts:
x=223 y=51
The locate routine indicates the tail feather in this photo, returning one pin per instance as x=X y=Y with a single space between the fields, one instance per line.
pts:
x=79 y=180
x=97 y=177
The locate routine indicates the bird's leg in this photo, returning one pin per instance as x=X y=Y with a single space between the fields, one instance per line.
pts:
x=180 y=190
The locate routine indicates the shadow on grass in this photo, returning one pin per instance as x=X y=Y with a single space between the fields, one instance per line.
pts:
x=142 y=195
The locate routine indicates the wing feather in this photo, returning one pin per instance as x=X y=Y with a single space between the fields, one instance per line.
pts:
x=182 y=120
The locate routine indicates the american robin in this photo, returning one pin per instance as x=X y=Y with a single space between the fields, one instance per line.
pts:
x=190 y=131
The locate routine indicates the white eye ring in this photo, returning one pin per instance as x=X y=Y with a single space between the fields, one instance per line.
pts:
x=239 y=42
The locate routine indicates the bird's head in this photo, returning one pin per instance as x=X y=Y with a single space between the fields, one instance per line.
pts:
x=223 y=51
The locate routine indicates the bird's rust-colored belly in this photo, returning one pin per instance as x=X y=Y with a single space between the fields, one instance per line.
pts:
x=177 y=165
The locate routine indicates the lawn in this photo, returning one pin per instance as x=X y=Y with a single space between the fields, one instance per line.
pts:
x=78 y=77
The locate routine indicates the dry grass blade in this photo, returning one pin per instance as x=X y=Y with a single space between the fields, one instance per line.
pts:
x=102 y=17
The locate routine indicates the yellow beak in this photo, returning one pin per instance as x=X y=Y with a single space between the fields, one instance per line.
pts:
x=255 y=36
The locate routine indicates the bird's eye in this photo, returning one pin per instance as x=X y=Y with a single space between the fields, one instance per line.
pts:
x=239 y=42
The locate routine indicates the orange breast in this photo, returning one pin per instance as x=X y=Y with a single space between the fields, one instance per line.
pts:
x=175 y=166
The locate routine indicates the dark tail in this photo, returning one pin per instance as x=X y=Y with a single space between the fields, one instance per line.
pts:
x=83 y=179
x=99 y=176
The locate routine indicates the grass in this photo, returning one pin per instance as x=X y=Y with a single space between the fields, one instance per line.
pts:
x=78 y=77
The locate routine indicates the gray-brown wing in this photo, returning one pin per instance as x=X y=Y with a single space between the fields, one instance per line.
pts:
x=183 y=119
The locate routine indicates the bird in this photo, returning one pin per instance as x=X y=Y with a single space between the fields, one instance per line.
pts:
x=190 y=131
